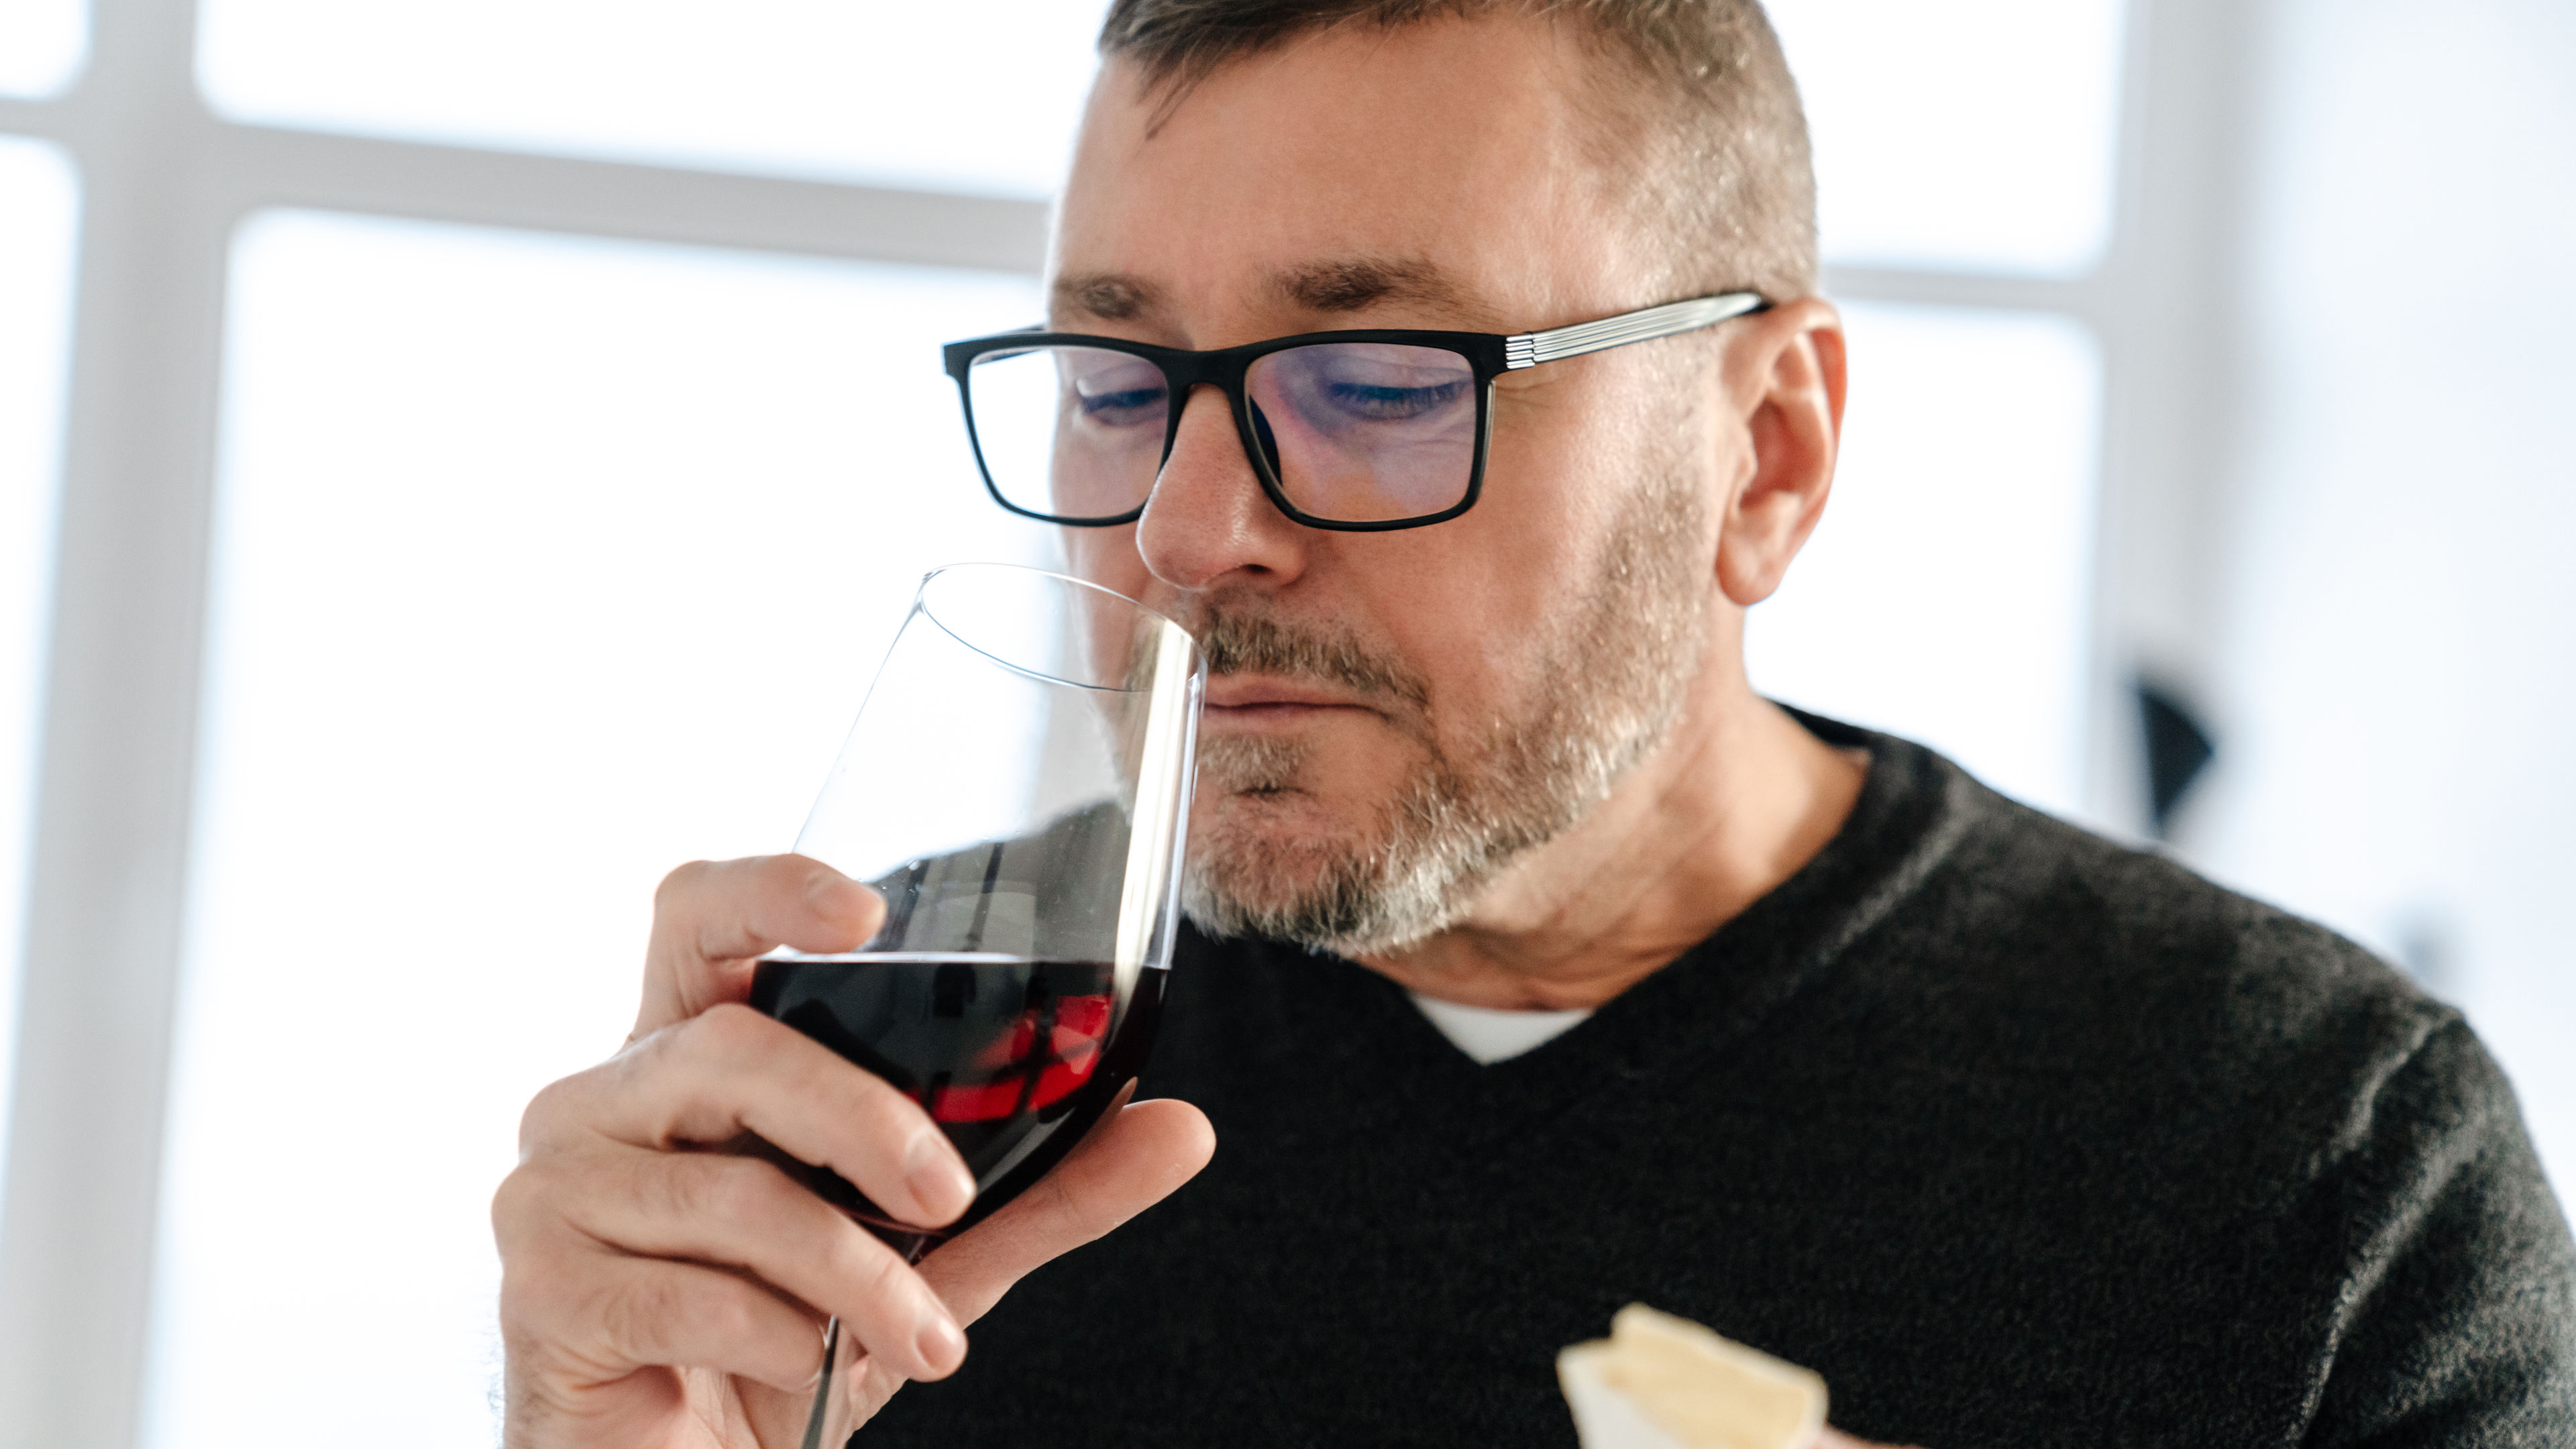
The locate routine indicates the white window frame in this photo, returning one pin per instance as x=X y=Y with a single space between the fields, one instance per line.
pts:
x=164 y=185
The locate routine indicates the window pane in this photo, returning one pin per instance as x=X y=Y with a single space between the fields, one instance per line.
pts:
x=1978 y=136
x=541 y=567
x=41 y=45
x=1947 y=594
x=2395 y=701
x=977 y=97
x=37 y=194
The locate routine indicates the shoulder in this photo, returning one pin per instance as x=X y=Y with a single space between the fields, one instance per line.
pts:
x=2136 y=980
x=2140 y=927
x=2243 y=1108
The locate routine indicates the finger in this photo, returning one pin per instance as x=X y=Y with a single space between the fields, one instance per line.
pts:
x=711 y=917
x=741 y=1212
x=731 y=1070
x=584 y=1316
x=1130 y=1162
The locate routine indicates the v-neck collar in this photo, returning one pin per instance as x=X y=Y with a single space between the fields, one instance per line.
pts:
x=1331 y=1016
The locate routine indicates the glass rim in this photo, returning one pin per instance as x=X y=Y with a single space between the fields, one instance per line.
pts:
x=921 y=606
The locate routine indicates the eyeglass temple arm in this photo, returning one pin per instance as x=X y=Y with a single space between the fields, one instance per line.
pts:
x=1529 y=349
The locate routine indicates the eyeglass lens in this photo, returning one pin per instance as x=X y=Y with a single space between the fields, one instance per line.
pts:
x=1355 y=432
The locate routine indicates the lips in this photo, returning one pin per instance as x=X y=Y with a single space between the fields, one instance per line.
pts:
x=1252 y=692
x=1255 y=703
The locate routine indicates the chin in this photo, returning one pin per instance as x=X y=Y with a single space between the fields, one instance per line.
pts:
x=1271 y=855
x=1274 y=844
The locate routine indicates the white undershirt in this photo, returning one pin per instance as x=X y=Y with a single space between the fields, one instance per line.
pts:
x=1492 y=1036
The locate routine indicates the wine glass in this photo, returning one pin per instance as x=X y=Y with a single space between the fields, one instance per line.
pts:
x=1016 y=786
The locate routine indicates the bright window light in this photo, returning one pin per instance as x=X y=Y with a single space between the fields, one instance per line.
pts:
x=2394 y=707
x=541 y=566
x=42 y=43
x=1947 y=594
x=39 y=196
x=980 y=98
x=1977 y=136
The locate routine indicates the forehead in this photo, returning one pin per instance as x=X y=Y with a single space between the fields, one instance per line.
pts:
x=1444 y=174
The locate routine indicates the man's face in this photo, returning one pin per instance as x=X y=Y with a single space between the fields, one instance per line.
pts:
x=1394 y=715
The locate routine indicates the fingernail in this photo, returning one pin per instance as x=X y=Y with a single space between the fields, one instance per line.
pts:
x=940 y=1345
x=941 y=1186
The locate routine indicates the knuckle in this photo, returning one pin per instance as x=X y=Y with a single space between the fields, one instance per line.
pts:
x=515 y=1207
x=536 y=1283
x=630 y=1316
x=789 y=869
x=860 y=1096
x=537 y=1191
x=513 y=1303
x=724 y=1313
x=552 y=1106
x=527 y=1290
x=681 y=883
x=743 y=1192
x=730 y=1032
x=538 y=1204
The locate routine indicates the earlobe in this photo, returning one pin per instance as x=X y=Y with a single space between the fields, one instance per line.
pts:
x=1790 y=390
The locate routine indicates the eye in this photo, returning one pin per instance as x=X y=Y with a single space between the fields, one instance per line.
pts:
x=1380 y=402
x=1112 y=390
x=1334 y=387
x=1125 y=408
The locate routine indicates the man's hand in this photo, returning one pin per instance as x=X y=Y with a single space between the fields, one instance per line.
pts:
x=658 y=1294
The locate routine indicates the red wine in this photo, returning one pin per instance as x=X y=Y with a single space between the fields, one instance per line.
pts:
x=1014 y=1058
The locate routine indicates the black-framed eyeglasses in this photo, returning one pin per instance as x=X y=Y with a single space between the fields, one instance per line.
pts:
x=1360 y=431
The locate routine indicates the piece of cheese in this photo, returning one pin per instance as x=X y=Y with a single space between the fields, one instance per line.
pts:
x=1660 y=1382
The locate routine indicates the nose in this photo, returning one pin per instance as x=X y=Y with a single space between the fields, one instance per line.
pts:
x=1208 y=523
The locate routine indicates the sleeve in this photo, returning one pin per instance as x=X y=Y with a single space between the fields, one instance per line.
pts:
x=2457 y=1321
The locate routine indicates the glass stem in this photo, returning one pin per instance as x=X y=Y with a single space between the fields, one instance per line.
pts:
x=820 y=1415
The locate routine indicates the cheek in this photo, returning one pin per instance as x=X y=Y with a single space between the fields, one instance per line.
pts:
x=1522 y=559
x=1108 y=557
x=1487 y=625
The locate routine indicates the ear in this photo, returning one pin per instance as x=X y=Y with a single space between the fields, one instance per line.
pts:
x=1784 y=378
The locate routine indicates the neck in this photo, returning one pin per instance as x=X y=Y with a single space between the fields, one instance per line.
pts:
x=1734 y=802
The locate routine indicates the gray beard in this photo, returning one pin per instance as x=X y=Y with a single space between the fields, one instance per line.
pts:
x=1604 y=694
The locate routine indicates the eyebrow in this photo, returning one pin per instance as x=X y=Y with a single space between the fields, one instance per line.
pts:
x=1357 y=283
x=1350 y=284
x=1109 y=296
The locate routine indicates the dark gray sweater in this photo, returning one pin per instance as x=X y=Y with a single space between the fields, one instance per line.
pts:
x=2016 y=1136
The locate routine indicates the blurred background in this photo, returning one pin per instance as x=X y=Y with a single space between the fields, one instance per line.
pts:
x=460 y=458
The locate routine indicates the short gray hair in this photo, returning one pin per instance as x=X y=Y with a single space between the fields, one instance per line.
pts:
x=1724 y=169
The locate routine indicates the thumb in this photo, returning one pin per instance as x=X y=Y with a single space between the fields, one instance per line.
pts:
x=1131 y=1161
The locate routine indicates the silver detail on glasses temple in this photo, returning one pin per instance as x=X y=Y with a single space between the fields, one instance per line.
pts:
x=1532 y=348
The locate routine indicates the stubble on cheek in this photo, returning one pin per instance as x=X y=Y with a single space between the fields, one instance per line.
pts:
x=1370 y=847
x=1284 y=829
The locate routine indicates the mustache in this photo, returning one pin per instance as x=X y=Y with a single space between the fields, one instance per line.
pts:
x=1238 y=642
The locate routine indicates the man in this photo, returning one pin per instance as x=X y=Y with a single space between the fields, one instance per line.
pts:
x=2015 y=1136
